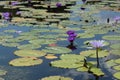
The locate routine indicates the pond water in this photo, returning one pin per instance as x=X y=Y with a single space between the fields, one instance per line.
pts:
x=46 y=69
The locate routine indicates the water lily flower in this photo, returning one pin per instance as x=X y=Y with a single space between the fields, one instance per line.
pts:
x=69 y=32
x=117 y=18
x=71 y=37
x=58 y=4
x=97 y=44
x=18 y=32
x=6 y=15
x=14 y=3
x=18 y=12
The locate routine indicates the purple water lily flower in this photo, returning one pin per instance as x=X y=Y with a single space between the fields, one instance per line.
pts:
x=117 y=18
x=58 y=4
x=97 y=43
x=71 y=39
x=14 y=3
x=6 y=15
x=18 y=32
x=18 y=12
x=69 y=32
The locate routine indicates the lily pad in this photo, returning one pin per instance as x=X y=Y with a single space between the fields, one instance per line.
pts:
x=72 y=57
x=42 y=41
x=56 y=78
x=29 y=46
x=117 y=75
x=96 y=71
x=3 y=72
x=117 y=61
x=56 y=50
x=92 y=53
x=115 y=52
x=50 y=56
x=82 y=69
x=116 y=67
x=115 y=46
x=29 y=53
x=67 y=63
x=111 y=37
x=110 y=63
x=25 y=62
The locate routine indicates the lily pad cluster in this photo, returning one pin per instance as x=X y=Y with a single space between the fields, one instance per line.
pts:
x=28 y=58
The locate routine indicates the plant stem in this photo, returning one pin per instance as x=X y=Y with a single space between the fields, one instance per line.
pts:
x=97 y=57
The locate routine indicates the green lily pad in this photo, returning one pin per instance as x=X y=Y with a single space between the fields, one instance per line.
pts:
x=111 y=37
x=11 y=44
x=117 y=61
x=72 y=57
x=92 y=53
x=29 y=53
x=56 y=78
x=117 y=75
x=116 y=67
x=115 y=52
x=110 y=63
x=67 y=63
x=42 y=41
x=84 y=69
x=115 y=46
x=86 y=35
x=56 y=50
x=25 y=62
x=29 y=46
x=96 y=71
x=3 y=72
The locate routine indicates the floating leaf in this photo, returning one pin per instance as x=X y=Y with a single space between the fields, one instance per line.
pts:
x=117 y=61
x=29 y=53
x=92 y=53
x=29 y=46
x=117 y=75
x=115 y=52
x=82 y=69
x=72 y=57
x=25 y=62
x=96 y=71
x=50 y=56
x=111 y=37
x=56 y=50
x=67 y=63
x=3 y=72
x=116 y=67
x=42 y=41
x=56 y=78
x=115 y=46
x=110 y=63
